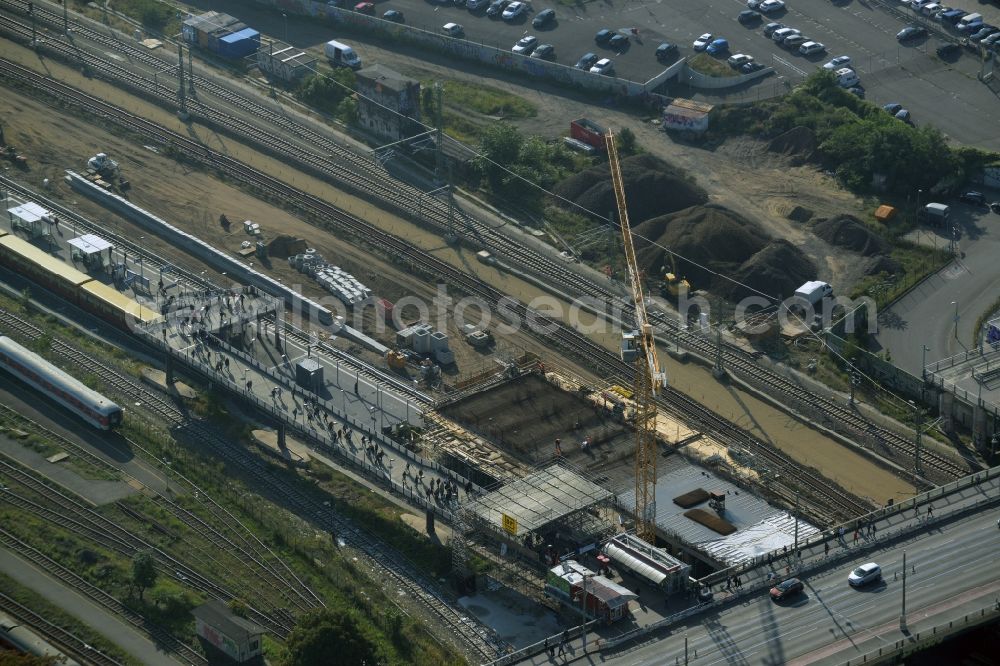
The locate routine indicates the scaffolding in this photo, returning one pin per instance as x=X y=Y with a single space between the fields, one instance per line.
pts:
x=554 y=512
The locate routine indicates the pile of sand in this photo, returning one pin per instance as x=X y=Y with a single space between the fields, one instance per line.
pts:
x=283 y=247
x=652 y=187
x=715 y=240
x=777 y=270
x=850 y=233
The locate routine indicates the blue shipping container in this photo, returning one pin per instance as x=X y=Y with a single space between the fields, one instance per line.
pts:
x=239 y=44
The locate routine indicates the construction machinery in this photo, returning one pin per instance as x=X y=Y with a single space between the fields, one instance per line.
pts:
x=639 y=346
x=103 y=166
x=673 y=286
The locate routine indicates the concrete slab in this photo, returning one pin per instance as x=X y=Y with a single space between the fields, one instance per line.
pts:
x=96 y=492
x=515 y=618
x=158 y=378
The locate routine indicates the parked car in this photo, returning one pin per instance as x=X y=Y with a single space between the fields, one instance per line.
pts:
x=513 y=11
x=603 y=36
x=754 y=4
x=473 y=5
x=866 y=573
x=786 y=588
x=952 y=16
x=545 y=52
x=587 y=61
x=892 y=108
x=838 y=62
x=771 y=6
x=525 y=45
x=544 y=18
x=989 y=41
x=902 y=114
x=738 y=60
x=771 y=27
x=496 y=8
x=911 y=32
x=748 y=17
x=973 y=197
x=618 y=42
x=604 y=66
x=717 y=46
x=780 y=34
x=453 y=29
x=365 y=8
x=857 y=91
x=948 y=50
x=665 y=51
x=393 y=15
x=983 y=33
x=702 y=42
x=932 y=9
x=810 y=48
x=793 y=42
x=752 y=67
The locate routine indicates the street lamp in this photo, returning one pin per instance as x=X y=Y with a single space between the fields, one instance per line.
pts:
x=923 y=366
x=955 y=303
x=285 y=16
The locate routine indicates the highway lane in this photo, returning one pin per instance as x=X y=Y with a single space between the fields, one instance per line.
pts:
x=953 y=563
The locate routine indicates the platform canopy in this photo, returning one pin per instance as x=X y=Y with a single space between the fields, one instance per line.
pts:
x=29 y=213
x=534 y=501
x=90 y=244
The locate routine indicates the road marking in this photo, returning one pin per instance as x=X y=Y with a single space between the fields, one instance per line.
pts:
x=789 y=65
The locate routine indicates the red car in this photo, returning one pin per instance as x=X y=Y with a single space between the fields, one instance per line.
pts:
x=365 y=8
x=786 y=589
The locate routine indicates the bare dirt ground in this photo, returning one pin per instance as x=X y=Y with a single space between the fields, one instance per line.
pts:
x=524 y=417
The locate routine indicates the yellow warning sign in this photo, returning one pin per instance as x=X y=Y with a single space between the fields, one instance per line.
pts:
x=509 y=523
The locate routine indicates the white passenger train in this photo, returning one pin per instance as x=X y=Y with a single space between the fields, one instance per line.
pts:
x=68 y=391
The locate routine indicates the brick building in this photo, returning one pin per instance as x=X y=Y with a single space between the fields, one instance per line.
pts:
x=388 y=103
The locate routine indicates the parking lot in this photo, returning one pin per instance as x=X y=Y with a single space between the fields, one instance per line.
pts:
x=944 y=93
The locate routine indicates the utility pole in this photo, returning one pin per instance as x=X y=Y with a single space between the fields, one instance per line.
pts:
x=31 y=14
x=180 y=76
x=685 y=649
x=190 y=73
x=451 y=207
x=902 y=614
x=916 y=446
x=853 y=382
x=719 y=371
x=65 y=4
x=438 y=153
x=796 y=548
x=923 y=365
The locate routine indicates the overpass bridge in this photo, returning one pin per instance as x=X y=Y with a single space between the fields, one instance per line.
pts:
x=949 y=537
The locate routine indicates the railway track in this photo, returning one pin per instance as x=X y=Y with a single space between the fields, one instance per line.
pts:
x=160 y=636
x=838 y=503
x=402 y=196
x=237 y=538
x=388 y=564
x=70 y=643
x=51 y=504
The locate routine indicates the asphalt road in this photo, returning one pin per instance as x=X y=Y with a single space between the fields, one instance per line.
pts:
x=949 y=570
x=926 y=315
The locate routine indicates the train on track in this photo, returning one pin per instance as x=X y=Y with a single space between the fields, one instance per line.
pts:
x=75 y=286
x=18 y=637
x=60 y=387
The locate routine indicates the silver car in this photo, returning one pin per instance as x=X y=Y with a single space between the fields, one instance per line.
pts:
x=866 y=573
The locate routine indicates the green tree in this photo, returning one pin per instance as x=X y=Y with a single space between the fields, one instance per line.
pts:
x=626 y=141
x=326 y=91
x=143 y=571
x=9 y=658
x=323 y=633
x=501 y=149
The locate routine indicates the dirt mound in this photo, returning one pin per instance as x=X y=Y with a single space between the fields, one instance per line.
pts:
x=283 y=247
x=798 y=141
x=799 y=214
x=850 y=233
x=883 y=264
x=711 y=235
x=652 y=187
x=777 y=270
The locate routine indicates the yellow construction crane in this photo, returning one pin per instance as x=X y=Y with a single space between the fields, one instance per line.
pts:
x=639 y=346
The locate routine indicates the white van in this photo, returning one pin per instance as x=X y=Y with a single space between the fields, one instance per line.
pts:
x=970 y=22
x=847 y=77
x=341 y=55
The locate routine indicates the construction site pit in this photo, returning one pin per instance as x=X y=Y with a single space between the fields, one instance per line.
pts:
x=524 y=417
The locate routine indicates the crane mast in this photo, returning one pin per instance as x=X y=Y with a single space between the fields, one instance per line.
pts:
x=640 y=347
